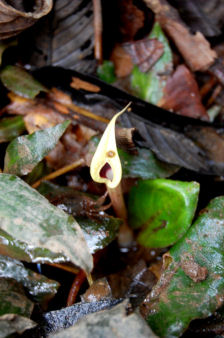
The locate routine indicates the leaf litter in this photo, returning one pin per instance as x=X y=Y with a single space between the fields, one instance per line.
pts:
x=75 y=232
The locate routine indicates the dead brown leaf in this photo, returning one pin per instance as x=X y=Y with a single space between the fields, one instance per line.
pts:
x=14 y=18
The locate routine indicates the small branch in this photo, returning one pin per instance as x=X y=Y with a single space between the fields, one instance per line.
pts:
x=98 y=28
x=59 y=172
x=67 y=268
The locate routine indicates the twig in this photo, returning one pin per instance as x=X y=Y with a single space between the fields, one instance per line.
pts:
x=59 y=172
x=98 y=27
x=67 y=268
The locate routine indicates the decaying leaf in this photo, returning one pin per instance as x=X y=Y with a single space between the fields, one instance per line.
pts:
x=122 y=61
x=40 y=288
x=12 y=323
x=149 y=86
x=30 y=218
x=13 y=298
x=191 y=285
x=109 y=323
x=20 y=82
x=181 y=95
x=144 y=53
x=14 y=17
x=195 y=49
x=25 y=152
x=163 y=210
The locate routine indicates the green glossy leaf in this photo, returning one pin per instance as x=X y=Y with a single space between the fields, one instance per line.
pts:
x=13 y=298
x=106 y=72
x=145 y=165
x=113 y=323
x=192 y=284
x=99 y=231
x=25 y=152
x=11 y=127
x=164 y=209
x=12 y=323
x=149 y=86
x=40 y=288
x=30 y=218
x=20 y=82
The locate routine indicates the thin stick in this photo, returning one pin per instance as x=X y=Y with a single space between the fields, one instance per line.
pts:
x=125 y=235
x=98 y=27
x=59 y=172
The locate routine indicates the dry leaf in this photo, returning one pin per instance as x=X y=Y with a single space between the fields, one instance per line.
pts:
x=14 y=18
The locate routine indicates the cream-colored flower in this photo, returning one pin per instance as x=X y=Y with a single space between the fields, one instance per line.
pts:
x=106 y=166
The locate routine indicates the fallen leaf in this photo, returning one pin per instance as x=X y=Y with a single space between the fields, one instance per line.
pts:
x=191 y=285
x=11 y=127
x=109 y=323
x=149 y=86
x=39 y=287
x=24 y=212
x=14 y=17
x=144 y=53
x=122 y=61
x=163 y=210
x=180 y=88
x=12 y=323
x=195 y=49
x=13 y=299
x=25 y=152
x=20 y=82
x=80 y=84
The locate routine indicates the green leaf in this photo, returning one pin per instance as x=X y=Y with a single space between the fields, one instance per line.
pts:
x=99 y=231
x=11 y=323
x=40 y=288
x=11 y=127
x=30 y=218
x=25 y=152
x=149 y=86
x=113 y=323
x=145 y=165
x=20 y=82
x=106 y=72
x=164 y=209
x=13 y=298
x=192 y=284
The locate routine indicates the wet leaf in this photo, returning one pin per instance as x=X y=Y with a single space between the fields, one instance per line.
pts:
x=192 y=284
x=11 y=323
x=164 y=209
x=11 y=127
x=99 y=231
x=13 y=298
x=40 y=288
x=20 y=82
x=25 y=152
x=30 y=218
x=145 y=165
x=149 y=86
x=106 y=72
x=109 y=323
